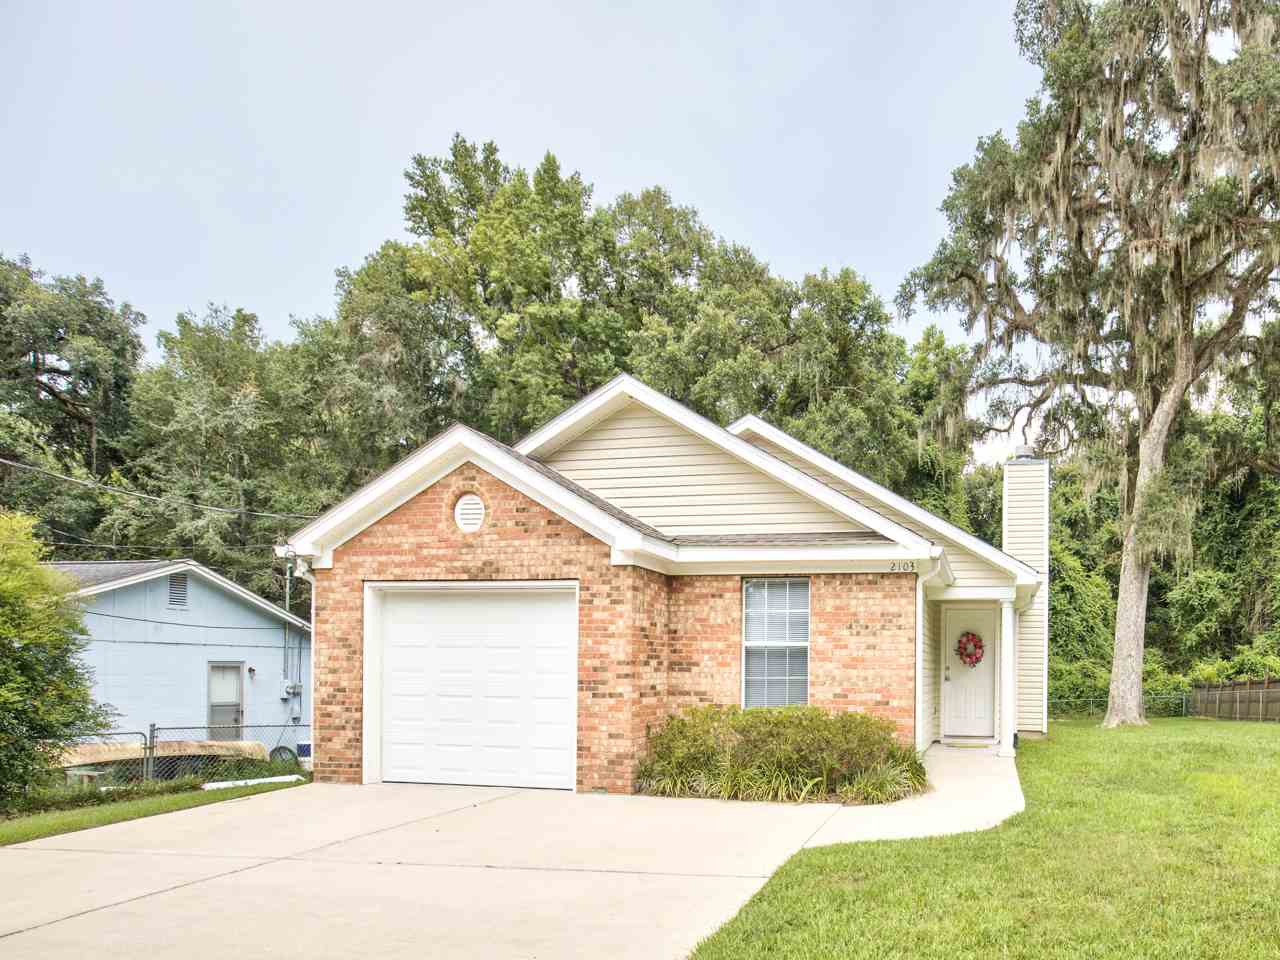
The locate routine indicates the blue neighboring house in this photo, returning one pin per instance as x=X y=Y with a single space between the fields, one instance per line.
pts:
x=173 y=643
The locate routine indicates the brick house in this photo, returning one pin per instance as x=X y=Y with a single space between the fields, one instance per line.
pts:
x=522 y=615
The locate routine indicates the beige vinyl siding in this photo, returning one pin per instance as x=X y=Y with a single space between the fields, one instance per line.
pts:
x=970 y=570
x=932 y=719
x=679 y=483
x=1026 y=536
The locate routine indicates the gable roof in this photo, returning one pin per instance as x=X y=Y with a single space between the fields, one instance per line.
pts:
x=625 y=389
x=103 y=576
x=632 y=539
x=752 y=424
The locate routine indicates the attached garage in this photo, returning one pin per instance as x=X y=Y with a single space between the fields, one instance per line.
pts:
x=478 y=682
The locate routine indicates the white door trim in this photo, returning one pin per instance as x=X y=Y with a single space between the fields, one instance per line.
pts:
x=993 y=650
x=371 y=699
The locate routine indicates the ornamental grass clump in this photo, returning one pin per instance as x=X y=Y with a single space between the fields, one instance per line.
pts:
x=783 y=754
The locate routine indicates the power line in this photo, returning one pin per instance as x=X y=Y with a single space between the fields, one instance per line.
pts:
x=79 y=541
x=174 y=623
x=156 y=546
x=147 y=496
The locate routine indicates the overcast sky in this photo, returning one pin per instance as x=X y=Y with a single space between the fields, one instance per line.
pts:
x=240 y=153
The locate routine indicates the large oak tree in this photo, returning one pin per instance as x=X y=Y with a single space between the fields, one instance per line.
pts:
x=1121 y=247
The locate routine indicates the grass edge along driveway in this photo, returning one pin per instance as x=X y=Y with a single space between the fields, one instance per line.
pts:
x=37 y=825
x=1152 y=842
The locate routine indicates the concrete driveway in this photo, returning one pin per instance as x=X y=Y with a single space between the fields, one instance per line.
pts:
x=410 y=871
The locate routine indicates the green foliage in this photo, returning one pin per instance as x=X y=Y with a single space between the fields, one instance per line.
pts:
x=43 y=798
x=44 y=688
x=68 y=355
x=1073 y=681
x=1256 y=661
x=786 y=754
x=1082 y=611
x=213 y=426
x=896 y=779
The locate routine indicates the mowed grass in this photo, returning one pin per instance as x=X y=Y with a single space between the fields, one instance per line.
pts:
x=37 y=825
x=1153 y=842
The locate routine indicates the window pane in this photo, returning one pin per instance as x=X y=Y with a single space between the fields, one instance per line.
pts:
x=776 y=663
x=777 y=693
x=776 y=634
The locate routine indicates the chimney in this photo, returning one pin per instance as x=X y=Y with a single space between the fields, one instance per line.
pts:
x=1025 y=528
x=1025 y=533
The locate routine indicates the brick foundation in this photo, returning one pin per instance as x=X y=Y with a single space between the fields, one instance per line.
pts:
x=649 y=644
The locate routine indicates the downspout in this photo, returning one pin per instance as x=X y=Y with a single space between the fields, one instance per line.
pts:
x=935 y=567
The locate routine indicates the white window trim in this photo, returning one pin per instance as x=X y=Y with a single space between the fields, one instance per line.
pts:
x=745 y=644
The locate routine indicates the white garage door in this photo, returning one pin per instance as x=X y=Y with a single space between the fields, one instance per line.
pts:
x=480 y=687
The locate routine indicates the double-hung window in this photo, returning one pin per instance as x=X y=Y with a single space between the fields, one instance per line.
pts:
x=775 y=641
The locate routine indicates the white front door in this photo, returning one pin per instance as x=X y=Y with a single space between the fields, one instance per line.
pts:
x=969 y=693
x=480 y=687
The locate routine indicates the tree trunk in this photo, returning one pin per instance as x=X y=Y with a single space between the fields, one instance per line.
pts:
x=1124 y=703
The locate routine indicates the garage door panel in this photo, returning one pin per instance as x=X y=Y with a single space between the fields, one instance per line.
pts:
x=480 y=687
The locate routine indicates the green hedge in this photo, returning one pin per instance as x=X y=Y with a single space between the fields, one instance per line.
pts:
x=790 y=754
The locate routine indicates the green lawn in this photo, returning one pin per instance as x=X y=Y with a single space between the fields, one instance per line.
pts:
x=1155 y=842
x=37 y=825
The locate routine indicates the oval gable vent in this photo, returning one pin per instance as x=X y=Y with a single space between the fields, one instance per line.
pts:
x=468 y=512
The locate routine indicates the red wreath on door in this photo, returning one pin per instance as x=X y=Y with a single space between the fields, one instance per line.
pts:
x=970 y=649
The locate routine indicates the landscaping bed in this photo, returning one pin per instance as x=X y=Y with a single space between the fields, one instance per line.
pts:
x=1154 y=842
x=788 y=754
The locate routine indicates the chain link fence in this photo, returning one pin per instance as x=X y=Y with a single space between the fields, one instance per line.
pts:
x=1156 y=705
x=204 y=753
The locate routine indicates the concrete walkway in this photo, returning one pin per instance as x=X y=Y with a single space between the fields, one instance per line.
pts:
x=410 y=871
x=972 y=789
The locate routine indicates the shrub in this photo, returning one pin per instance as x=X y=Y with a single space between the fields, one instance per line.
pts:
x=787 y=754
x=43 y=798
x=45 y=700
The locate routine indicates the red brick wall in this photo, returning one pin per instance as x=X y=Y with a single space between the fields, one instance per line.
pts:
x=704 y=662
x=520 y=540
x=862 y=645
x=648 y=644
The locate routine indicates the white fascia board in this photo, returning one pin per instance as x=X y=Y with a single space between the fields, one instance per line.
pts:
x=613 y=394
x=707 y=559
x=563 y=427
x=1008 y=593
x=191 y=566
x=752 y=424
x=454 y=447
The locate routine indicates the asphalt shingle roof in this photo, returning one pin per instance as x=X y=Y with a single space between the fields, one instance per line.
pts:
x=92 y=573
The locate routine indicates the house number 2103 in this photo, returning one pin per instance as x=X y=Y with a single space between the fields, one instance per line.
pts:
x=902 y=566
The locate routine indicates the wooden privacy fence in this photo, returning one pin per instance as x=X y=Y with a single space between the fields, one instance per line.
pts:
x=1237 y=700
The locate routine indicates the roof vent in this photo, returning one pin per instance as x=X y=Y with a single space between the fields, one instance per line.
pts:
x=177 y=589
x=468 y=513
x=1024 y=452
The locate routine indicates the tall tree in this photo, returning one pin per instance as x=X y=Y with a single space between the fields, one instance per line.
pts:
x=1115 y=251
x=67 y=357
x=218 y=423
